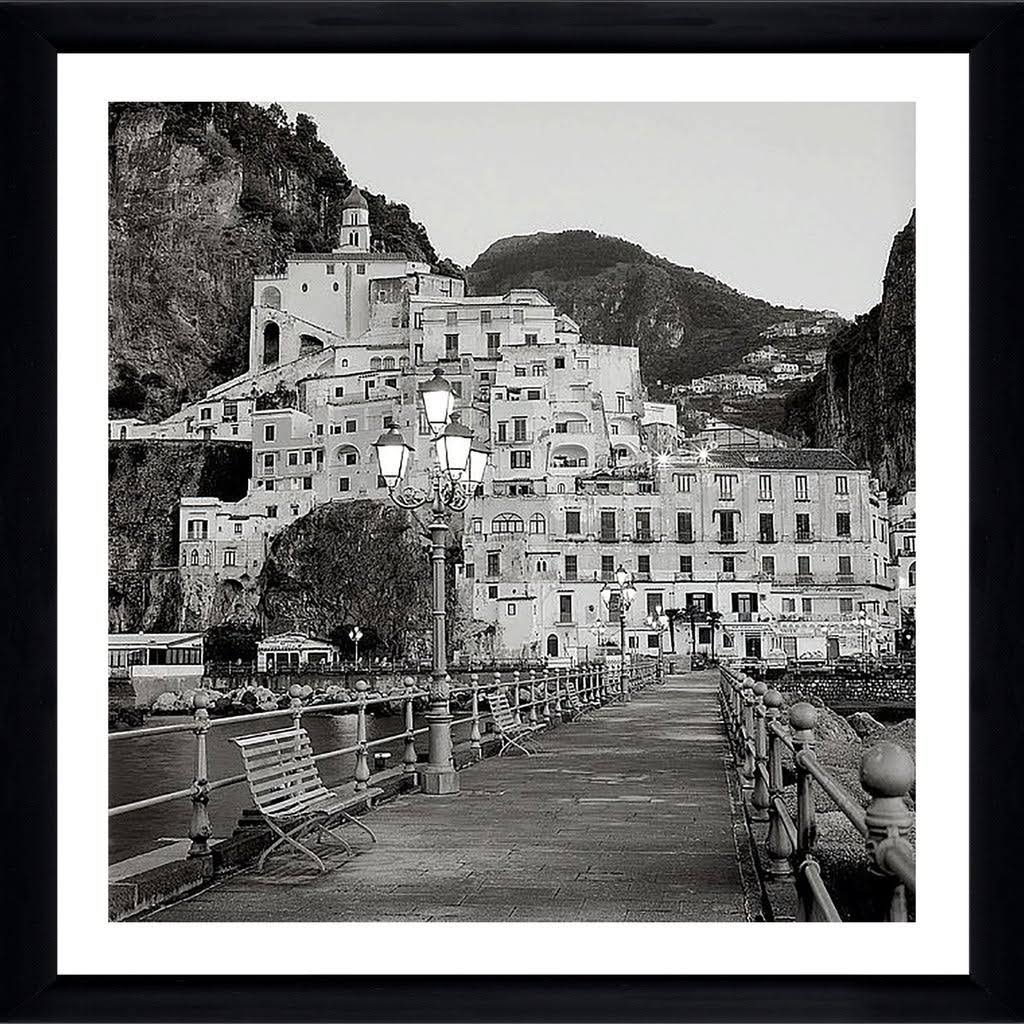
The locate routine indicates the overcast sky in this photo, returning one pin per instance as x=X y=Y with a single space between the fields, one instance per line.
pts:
x=796 y=203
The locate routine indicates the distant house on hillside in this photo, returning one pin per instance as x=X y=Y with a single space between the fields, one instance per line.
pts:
x=765 y=354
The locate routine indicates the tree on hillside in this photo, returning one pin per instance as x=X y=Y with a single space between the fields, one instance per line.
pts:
x=350 y=562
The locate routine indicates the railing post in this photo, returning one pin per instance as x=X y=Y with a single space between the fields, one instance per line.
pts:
x=887 y=774
x=623 y=684
x=200 y=829
x=362 y=773
x=497 y=686
x=474 y=732
x=409 y=754
x=532 y=717
x=559 y=687
x=759 y=797
x=747 y=733
x=777 y=844
x=515 y=696
x=802 y=720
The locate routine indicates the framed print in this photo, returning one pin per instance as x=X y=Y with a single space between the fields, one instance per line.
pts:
x=553 y=461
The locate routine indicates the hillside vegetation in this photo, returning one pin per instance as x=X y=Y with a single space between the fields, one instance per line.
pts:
x=684 y=322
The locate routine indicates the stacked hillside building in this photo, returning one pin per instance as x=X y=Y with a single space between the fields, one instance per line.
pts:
x=788 y=545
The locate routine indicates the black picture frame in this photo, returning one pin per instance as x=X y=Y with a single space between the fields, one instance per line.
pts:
x=32 y=35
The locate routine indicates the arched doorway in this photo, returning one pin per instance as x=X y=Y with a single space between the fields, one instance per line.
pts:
x=552 y=646
x=271 y=344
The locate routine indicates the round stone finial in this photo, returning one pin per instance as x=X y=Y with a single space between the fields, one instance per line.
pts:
x=886 y=769
x=362 y=685
x=803 y=716
x=295 y=691
x=410 y=682
x=773 y=699
x=760 y=688
x=746 y=682
x=200 y=700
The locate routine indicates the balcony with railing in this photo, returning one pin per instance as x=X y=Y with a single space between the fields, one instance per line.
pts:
x=684 y=538
x=643 y=536
x=805 y=536
x=767 y=537
x=726 y=537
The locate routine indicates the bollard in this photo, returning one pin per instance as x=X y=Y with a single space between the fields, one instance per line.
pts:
x=759 y=797
x=474 y=733
x=362 y=774
x=778 y=845
x=200 y=829
x=802 y=719
x=409 y=754
x=887 y=774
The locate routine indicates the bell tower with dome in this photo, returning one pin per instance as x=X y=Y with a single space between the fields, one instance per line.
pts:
x=355 y=224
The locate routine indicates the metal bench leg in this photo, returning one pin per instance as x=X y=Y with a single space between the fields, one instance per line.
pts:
x=291 y=839
x=355 y=821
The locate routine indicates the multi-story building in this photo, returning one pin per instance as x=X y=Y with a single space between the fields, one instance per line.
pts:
x=787 y=545
x=903 y=549
x=764 y=355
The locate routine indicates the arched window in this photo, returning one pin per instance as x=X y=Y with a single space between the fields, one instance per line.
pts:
x=912 y=574
x=552 y=646
x=507 y=522
x=195 y=556
x=538 y=524
x=389 y=362
x=271 y=343
x=403 y=363
x=561 y=488
x=184 y=558
x=375 y=363
x=271 y=297
x=344 y=362
x=207 y=558
x=309 y=345
x=569 y=456
x=542 y=565
x=348 y=455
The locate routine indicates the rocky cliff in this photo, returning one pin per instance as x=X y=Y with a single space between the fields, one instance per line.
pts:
x=863 y=402
x=684 y=322
x=147 y=479
x=201 y=197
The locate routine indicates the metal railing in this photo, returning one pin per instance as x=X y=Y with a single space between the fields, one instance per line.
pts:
x=761 y=743
x=536 y=697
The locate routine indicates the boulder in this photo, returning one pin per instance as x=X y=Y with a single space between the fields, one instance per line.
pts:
x=864 y=725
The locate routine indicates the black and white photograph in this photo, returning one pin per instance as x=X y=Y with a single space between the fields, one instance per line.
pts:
x=511 y=512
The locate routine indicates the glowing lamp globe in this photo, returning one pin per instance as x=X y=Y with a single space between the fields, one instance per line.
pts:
x=393 y=456
x=453 y=448
x=479 y=456
x=622 y=576
x=606 y=596
x=438 y=402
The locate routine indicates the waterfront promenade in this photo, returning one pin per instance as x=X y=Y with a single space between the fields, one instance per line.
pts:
x=624 y=816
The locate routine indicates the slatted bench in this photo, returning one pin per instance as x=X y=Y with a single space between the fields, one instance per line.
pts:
x=287 y=789
x=572 y=698
x=512 y=733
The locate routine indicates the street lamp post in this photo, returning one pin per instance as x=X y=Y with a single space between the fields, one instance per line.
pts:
x=627 y=592
x=862 y=619
x=658 y=621
x=355 y=635
x=459 y=470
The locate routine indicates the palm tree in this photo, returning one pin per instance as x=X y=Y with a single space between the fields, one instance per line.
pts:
x=714 y=620
x=692 y=614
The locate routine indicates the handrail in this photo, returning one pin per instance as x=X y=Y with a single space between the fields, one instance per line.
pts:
x=752 y=714
x=544 y=694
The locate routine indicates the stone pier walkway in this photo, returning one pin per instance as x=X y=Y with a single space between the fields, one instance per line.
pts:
x=624 y=816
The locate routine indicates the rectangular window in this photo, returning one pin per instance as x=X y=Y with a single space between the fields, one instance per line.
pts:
x=229 y=556
x=745 y=604
x=518 y=371
x=843 y=524
x=643 y=525
x=803 y=526
x=533 y=395
x=684 y=527
x=451 y=346
x=654 y=602
x=206 y=413
x=559 y=362
x=725 y=483
x=360 y=267
x=269 y=485
x=519 y=429
x=517 y=316
x=803 y=565
x=230 y=412
x=293 y=458
x=726 y=526
x=614 y=606
x=529 y=339
x=607 y=567
x=700 y=602
x=307 y=483
x=608 y=531
x=571 y=566
x=909 y=544
x=686 y=564
x=684 y=482
x=319 y=430
x=789 y=604
x=766 y=528
x=768 y=565
x=728 y=563
x=806 y=606
x=485 y=316
x=703 y=635
x=845 y=566
x=492 y=592
x=343 y=483
x=269 y=432
x=643 y=565
x=842 y=485
x=268 y=461
x=583 y=364
x=351 y=426
x=238 y=527
x=493 y=563
x=502 y=431
x=565 y=607
x=451 y=317
x=271 y=511
x=801 y=488
x=417 y=321
x=511 y=608
x=470 y=571
x=845 y=605
x=572 y=522
x=764 y=487
x=493 y=343
x=521 y=460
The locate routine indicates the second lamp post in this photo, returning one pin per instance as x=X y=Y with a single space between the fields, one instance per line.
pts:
x=625 y=591
x=458 y=470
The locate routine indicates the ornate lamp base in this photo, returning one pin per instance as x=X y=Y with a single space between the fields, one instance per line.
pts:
x=438 y=781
